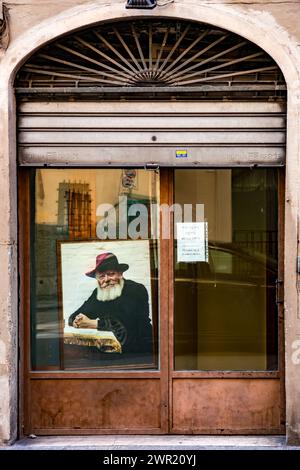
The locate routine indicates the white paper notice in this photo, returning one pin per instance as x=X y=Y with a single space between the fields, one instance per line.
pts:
x=192 y=242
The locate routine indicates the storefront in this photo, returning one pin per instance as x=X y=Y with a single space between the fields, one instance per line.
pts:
x=215 y=316
x=153 y=214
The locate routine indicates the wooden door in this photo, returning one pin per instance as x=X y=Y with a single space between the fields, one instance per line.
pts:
x=203 y=380
x=68 y=386
x=226 y=373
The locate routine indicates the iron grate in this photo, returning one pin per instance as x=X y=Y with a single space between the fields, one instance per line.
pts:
x=155 y=53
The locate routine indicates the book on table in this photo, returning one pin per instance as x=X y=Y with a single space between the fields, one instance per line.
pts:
x=105 y=341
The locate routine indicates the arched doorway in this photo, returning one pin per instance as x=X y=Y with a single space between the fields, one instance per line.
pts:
x=166 y=96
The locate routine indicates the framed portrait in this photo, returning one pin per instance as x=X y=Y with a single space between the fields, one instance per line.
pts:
x=108 y=304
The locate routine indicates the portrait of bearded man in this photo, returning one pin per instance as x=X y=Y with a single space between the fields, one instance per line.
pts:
x=116 y=304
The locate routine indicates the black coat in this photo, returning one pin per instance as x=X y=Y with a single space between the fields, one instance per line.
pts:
x=127 y=316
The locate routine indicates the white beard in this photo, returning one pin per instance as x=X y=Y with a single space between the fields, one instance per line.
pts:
x=110 y=293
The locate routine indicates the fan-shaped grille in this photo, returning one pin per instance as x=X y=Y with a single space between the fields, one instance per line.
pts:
x=150 y=53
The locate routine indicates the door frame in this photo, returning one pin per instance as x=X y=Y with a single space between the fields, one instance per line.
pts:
x=253 y=376
x=166 y=375
x=29 y=377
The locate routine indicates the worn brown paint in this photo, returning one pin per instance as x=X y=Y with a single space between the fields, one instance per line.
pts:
x=24 y=309
x=229 y=406
x=125 y=404
x=166 y=271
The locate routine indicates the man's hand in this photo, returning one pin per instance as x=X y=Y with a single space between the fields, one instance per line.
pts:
x=82 y=321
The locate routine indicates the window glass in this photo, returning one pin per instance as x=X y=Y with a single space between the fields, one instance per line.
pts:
x=225 y=304
x=94 y=269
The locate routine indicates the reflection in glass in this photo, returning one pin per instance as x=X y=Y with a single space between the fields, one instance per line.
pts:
x=225 y=309
x=94 y=302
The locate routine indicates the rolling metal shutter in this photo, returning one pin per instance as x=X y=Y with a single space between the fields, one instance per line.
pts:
x=182 y=134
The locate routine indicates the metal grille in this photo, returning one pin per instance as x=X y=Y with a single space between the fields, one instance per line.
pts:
x=152 y=55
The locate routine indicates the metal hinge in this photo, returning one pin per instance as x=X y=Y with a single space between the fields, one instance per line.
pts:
x=279 y=293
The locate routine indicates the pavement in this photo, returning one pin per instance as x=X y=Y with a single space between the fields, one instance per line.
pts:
x=142 y=442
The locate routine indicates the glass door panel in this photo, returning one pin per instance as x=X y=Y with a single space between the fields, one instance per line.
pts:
x=225 y=314
x=94 y=269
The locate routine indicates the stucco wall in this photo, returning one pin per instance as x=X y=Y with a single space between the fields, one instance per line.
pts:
x=25 y=14
x=273 y=25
